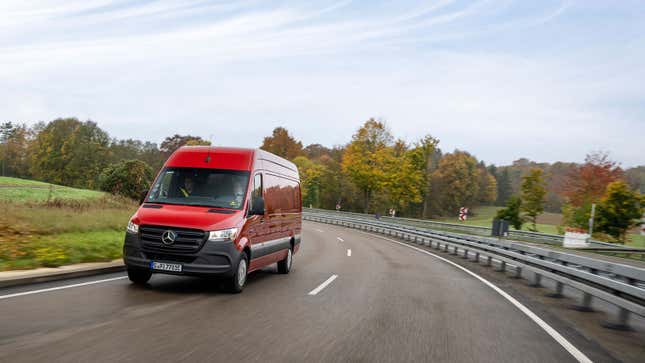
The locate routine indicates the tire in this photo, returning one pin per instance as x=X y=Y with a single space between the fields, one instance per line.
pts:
x=139 y=276
x=284 y=266
x=237 y=282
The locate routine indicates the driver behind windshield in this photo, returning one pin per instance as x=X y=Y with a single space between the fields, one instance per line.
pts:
x=187 y=189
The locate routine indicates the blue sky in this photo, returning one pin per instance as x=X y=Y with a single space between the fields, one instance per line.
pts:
x=547 y=80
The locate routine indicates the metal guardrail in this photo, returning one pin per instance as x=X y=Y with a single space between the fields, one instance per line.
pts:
x=618 y=284
x=527 y=236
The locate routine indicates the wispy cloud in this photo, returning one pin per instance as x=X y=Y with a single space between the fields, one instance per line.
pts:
x=481 y=74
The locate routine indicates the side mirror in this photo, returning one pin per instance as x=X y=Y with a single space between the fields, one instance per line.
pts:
x=257 y=207
x=143 y=196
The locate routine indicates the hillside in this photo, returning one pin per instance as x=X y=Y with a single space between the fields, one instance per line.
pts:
x=22 y=190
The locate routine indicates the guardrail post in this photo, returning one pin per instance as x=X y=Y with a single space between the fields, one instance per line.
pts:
x=585 y=305
x=619 y=322
x=489 y=261
x=502 y=267
x=537 y=280
x=518 y=273
x=559 y=289
x=445 y=247
x=454 y=250
x=476 y=257
x=465 y=254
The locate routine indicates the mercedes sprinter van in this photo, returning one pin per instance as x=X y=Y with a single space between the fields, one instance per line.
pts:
x=215 y=211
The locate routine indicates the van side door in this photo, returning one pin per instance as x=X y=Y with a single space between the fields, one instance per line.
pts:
x=257 y=226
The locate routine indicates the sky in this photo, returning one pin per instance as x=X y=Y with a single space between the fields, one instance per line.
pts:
x=547 y=80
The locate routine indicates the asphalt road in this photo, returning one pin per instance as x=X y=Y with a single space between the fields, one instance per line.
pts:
x=388 y=303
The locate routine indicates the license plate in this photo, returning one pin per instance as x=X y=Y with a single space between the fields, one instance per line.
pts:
x=162 y=266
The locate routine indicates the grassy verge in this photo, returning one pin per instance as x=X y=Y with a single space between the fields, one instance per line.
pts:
x=84 y=226
x=67 y=248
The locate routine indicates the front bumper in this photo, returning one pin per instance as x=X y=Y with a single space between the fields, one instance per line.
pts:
x=213 y=259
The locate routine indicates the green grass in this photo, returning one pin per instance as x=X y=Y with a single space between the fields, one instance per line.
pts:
x=21 y=190
x=69 y=248
x=5 y=180
x=71 y=226
x=483 y=216
x=636 y=240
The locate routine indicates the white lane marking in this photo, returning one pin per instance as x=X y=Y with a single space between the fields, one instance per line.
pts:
x=315 y=291
x=318 y=230
x=340 y=239
x=349 y=253
x=575 y=352
x=61 y=287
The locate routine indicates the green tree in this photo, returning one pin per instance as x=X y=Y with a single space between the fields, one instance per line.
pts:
x=311 y=176
x=70 y=152
x=14 y=150
x=128 y=178
x=504 y=188
x=282 y=144
x=404 y=180
x=365 y=159
x=172 y=143
x=533 y=193
x=487 y=187
x=512 y=212
x=424 y=157
x=619 y=210
x=457 y=181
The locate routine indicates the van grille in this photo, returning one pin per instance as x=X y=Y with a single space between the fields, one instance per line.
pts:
x=187 y=241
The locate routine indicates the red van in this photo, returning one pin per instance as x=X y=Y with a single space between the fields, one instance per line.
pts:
x=215 y=211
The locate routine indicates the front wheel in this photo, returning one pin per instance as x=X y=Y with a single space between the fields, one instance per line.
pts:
x=284 y=266
x=238 y=280
x=139 y=276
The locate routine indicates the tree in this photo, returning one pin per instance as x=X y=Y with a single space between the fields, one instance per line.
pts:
x=70 y=152
x=487 y=187
x=315 y=151
x=504 y=188
x=311 y=175
x=14 y=154
x=512 y=212
x=86 y=154
x=587 y=183
x=128 y=178
x=365 y=159
x=172 y=143
x=533 y=192
x=282 y=144
x=457 y=181
x=619 y=210
x=424 y=157
x=636 y=178
x=404 y=180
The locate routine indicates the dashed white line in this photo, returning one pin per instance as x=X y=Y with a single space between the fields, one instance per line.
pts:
x=319 y=230
x=575 y=352
x=340 y=239
x=61 y=287
x=349 y=253
x=315 y=291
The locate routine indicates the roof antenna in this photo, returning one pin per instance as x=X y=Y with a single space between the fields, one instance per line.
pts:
x=208 y=156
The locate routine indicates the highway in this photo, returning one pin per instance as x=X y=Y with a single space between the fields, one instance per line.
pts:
x=351 y=296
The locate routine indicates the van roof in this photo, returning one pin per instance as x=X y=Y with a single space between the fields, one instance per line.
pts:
x=232 y=158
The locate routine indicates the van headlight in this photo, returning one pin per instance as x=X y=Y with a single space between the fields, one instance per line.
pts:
x=133 y=228
x=223 y=235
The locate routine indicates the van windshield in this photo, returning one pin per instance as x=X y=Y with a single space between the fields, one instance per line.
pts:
x=200 y=187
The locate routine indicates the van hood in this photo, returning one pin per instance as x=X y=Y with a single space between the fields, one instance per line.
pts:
x=183 y=216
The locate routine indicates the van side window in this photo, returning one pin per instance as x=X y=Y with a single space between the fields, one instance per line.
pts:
x=257 y=187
